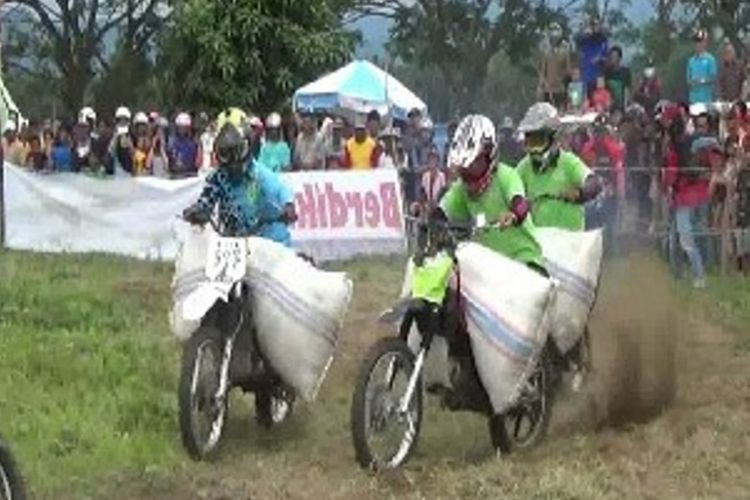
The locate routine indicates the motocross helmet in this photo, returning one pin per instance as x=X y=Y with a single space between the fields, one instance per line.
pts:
x=231 y=150
x=474 y=138
x=539 y=127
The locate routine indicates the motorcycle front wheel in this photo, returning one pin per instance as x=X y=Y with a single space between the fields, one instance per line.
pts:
x=11 y=482
x=383 y=436
x=202 y=413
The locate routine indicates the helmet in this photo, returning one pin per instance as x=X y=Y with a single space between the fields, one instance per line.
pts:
x=183 y=120
x=273 y=120
x=154 y=116
x=86 y=115
x=231 y=146
x=10 y=126
x=122 y=113
x=140 y=118
x=234 y=116
x=539 y=127
x=474 y=135
x=542 y=116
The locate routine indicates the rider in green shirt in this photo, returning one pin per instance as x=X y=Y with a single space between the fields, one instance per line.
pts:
x=558 y=183
x=489 y=190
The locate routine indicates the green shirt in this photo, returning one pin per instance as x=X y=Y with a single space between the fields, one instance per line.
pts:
x=430 y=280
x=516 y=242
x=569 y=172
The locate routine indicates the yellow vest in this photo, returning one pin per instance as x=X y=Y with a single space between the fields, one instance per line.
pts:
x=360 y=153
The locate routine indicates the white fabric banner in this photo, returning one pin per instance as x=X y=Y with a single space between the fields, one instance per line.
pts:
x=341 y=213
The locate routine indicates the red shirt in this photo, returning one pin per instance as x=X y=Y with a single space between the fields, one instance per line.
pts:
x=686 y=191
x=613 y=150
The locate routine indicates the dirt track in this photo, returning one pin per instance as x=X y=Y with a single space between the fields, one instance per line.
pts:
x=664 y=415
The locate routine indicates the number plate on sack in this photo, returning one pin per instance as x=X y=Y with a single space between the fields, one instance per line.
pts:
x=227 y=259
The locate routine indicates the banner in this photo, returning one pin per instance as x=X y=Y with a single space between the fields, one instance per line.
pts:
x=341 y=213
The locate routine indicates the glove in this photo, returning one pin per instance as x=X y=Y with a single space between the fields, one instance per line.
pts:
x=194 y=215
x=289 y=216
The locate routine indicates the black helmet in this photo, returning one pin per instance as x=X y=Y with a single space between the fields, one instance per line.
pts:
x=231 y=145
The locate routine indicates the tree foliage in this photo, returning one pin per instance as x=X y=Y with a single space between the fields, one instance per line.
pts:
x=250 y=53
x=67 y=43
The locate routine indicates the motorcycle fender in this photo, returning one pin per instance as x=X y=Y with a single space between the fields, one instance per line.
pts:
x=201 y=300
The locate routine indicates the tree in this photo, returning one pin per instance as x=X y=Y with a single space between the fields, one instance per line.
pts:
x=250 y=53
x=68 y=42
x=460 y=37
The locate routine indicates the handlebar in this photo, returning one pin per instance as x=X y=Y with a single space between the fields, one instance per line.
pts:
x=217 y=227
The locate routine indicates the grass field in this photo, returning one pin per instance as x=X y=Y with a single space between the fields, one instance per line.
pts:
x=88 y=373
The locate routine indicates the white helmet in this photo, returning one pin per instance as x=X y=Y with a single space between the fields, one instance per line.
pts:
x=540 y=116
x=140 y=118
x=86 y=115
x=474 y=134
x=10 y=126
x=273 y=120
x=122 y=113
x=183 y=120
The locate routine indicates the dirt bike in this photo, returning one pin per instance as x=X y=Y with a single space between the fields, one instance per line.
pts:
x=387 y=405
x=11 y=482
x=223 y=352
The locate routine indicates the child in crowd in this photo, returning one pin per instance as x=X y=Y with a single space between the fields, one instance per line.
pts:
x=576 y=91
x=433 y=179
x=61 y=153
x=36 y=159
x=601 y=98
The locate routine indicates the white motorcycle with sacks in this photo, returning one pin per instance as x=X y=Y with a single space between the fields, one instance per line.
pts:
x=485 y=333
x=251 y=314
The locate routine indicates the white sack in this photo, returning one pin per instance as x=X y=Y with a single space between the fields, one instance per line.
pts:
x=190 y=264
x=298 y=312
x=574 y=259
x=507 y=311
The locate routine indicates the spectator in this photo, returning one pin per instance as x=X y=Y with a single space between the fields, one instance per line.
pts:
x=159 y=156
x=14 y=149
x=604 y=153
x=360 y=151
x=36 y=159
x=412 y=138
x=701 y=71
x=576 y=91
x=275 y=153
x=393 y=154
x=510 y=149
x=184 y=151
x=255 y=136
x=648 y=92
x=688 y=193
x=433 y=179
x=100 y=146
x=61 y=153
x=746 y=84
x=290 y=126
x=48 y=138
x=373 y=124
x=618 y=79
x=601 y=99
x=593 y=45
x=309 y=152
x=731 y=75
x=141 y=145
x=207 y=138
x=555 y=68
x=122 y=144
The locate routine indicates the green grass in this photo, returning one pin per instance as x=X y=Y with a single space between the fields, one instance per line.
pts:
x=87 y=367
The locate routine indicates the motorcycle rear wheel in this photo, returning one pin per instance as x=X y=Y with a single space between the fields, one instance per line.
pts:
x=197 y=393
x=375 y=406
x=507 y=431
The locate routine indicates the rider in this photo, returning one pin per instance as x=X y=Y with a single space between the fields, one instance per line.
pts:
x=490 y=189
x=557 y=182
x=251 y=199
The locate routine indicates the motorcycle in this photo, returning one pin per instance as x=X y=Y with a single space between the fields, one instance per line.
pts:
x=11 y=482
x=222 y=352
x=387 y=406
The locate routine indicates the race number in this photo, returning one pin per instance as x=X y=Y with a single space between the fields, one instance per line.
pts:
x=227 y=259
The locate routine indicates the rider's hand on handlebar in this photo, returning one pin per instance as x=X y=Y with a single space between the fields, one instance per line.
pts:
x=194 y=215
x=507 y=219
x=290 y=214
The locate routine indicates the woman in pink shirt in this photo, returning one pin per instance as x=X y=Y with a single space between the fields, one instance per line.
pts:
x=433 y=179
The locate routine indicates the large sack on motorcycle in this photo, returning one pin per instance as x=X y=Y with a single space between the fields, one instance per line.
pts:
x=574 y=260
x=507 y=312
x=189 y=274
x=298 y=311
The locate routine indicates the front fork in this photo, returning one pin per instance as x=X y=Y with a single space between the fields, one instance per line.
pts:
x=226 y=357
x=428 y=323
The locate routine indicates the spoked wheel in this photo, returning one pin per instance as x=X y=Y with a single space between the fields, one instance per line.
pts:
x=526 y=424
x=11 y=483
x=202 y=413
x=383 y=435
